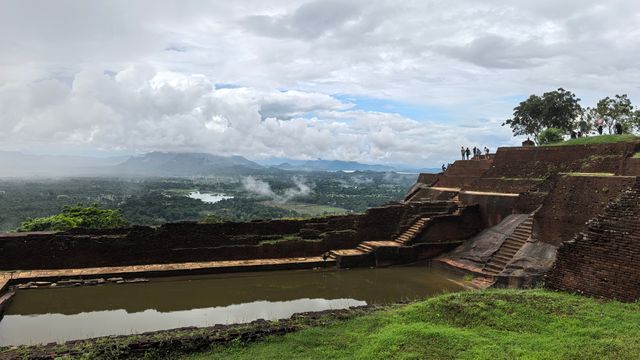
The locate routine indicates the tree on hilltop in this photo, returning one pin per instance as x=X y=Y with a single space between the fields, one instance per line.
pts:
x=554 y=109
x=618 y=110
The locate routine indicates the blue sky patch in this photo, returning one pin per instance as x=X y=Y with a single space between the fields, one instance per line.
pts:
x=412 y=111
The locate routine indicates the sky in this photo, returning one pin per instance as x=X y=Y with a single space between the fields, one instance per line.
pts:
x=371 y=81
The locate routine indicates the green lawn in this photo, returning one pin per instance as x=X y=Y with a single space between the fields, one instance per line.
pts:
x=599 y=139
x=492 y=324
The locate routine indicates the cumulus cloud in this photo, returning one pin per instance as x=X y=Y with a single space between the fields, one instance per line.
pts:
x=263 y=79
x=262 y=188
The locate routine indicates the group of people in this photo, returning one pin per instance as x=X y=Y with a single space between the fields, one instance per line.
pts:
x=477 y=153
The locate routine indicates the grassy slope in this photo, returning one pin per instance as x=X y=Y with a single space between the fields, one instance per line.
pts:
x=600 y=139
x=493 y=324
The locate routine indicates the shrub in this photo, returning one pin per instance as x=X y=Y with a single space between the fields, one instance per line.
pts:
x=550 y=135
x=90 y=217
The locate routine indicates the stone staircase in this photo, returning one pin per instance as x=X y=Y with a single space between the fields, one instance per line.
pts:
x=366 y=247
x=409 y=234
x=509 y=248
x=403 y=239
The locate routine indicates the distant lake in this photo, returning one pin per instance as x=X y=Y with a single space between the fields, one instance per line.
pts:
x=209 y=198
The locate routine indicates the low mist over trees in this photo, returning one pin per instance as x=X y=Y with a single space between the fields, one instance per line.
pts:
x=561 y=111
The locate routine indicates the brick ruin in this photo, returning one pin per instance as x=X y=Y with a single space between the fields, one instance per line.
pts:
x=190 y=241
x=511 y=217
x=533 y=201
x=604 y=260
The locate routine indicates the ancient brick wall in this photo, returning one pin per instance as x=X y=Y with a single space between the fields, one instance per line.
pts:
x=603 y=261
x=449 y=228
x=493 y=208
x=172 y=242
x=632 y=167
x=504 y=185
x=540 y=162
x=179 y=242
x=384 y=223
x=427 y=179
x=572 y=202
x=462 y=173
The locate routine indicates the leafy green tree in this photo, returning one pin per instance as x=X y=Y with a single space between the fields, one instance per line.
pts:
x=555 y=109
x=90 y=217
x=550 y=136
x=618 y=109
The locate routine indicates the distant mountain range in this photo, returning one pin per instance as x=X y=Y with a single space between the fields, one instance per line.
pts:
x=16 y=164
x=186 y=164
x=332 y=165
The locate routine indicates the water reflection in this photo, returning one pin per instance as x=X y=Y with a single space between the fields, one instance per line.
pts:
x=18 y=329
x=48 y=315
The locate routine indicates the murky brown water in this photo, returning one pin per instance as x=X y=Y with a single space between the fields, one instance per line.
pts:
x=46 y=315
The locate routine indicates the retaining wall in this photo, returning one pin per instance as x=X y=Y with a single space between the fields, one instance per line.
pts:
x=572 y=202
x=493 y=208
x=453 y=227
x=603 y=261
x=542 y=161
x=184 y=242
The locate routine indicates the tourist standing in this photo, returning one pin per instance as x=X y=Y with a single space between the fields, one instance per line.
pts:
x=462 y=151
x=600 y=124
x=468 y=153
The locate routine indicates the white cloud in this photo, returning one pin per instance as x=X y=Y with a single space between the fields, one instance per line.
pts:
x=146 y=75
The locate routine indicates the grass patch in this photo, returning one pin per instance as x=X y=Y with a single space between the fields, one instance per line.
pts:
x=310 y=210
x=636 y=155
x=282 y=239
x=599 y=139
x=492 y=324
x=588 y=174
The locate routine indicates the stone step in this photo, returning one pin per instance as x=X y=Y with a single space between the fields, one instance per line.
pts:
x=511 y=245
x=522 y=231
x=519 y=231
x=504 y=257
x=500 y=263
x=493 y=269
x=364 y=248
x=511 y=248
x=347 y=252
x=517 y=240
x=506 y=254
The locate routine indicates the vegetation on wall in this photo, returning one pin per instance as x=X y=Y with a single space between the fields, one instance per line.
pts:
x=90 y=217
